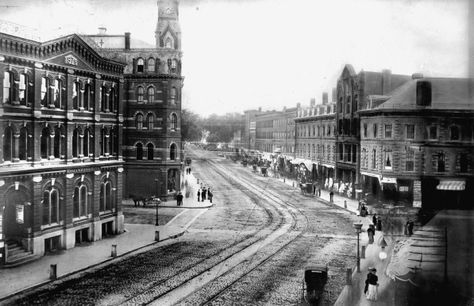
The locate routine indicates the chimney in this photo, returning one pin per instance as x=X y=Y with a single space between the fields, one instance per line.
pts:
x=334 y=95
x=127 y=40
x=102 y=30
x=312 y=102
x=325 y=98
x=386 y=81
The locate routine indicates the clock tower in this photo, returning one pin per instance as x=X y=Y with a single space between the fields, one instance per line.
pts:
x=168 y=32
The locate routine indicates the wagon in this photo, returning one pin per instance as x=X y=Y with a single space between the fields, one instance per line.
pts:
x=314 y=280
x=254 y=168
x=264 y=171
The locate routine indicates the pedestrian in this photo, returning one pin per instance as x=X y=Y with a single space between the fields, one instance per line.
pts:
x=189 y=170
x=314 y=189
x=410 y=226
x=331 y=196
x=379 y=224
x=199 y=195
x=371 y=233
x=374 y=219
x=371 y=284
x=363 y=211
x=179 y=199
x=204 y=194
x=209 y=193
x=319 y=192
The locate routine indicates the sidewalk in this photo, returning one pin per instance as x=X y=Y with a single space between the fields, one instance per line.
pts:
x=81 y=258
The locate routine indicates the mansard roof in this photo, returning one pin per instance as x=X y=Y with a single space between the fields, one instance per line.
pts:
x=48 y=51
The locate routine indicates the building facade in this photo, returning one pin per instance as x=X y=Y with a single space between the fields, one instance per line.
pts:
x=274 y=131
x=417 y=144
x=61 y=167
x=152 y=148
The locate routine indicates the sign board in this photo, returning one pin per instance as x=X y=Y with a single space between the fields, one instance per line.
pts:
x=20 y=213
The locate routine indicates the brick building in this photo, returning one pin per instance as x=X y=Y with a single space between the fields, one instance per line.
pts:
x=315 y=139
x=152 y=147
x=275 y=131
x=60 y=160
x=417 y=144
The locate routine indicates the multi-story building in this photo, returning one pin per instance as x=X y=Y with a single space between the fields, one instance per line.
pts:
x=417 y=144
x=152 y=148
x=275 y=131
x=60 y=163
x=352 y=95
x=315 y=139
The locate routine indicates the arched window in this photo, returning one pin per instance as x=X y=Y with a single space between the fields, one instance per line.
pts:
x=23 y=89
x=104 y=142
x=85 y=143
x=80 y=201
x=173 y=95
x=139 y=148
x=150 y=148
x=151 y=65
x=106 y=199
x=8 y=87
x=174 y=65
x=104 y=99
x=168 y=42
x=51 y=213
x=140 y=92
x=151 y=94
x=374 y=158
x=112 y=100
x=45 y=141
x=76 y=89
x=57 y=142
x=140 y=64
x=44 y=91
x=111 y=141
x=174 y=122
x=139 y=121
x=88 y=100
x=149 y=121
x=8 y=144
x=23 y=145
x=454 y=132
x=173 y=152
x=57 y=93
x=75 y=143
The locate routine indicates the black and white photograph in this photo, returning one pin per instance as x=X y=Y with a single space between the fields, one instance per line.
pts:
x=237 y=152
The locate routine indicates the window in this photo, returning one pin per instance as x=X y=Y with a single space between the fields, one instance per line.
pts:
x=174 y=65
x=150 y=151
x=8 y=144
x=433 y=132
x=75 y=143
x=8 y=87
x=139 y=121
x=441 y=162
x=88 y=100
x=454 y=132
x=410 y=131
x=23 y=145
x=365 y=129
x=75 y=95
x=104 y=100
x=173 y=151
x=51 y=206
x=45 y=140
x=348 y=105
x=174 y=122
x=149 y=121
x=151 y=65
x=80 y=201
x=168 y=43
x=112 y=102
x=423 y=93
x=104 y=141
x=106 y=198
x=374 y=159
x=44 y=91
x=140 y=64
x=388 y=131
x=173 y=95
x=57 y=92
x=23 y=89
x=374 y=129
x=139 y=148
x=364 y=158
x=151 y=94
x=388 y=159
x=85 y=143
x=113 y=141
x=140 y=92
x=410 y=160
x=57 y=142
x=463 y=162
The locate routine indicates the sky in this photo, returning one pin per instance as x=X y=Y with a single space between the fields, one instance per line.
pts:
x=245 y=54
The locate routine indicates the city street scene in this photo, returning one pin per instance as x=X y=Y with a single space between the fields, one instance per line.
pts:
x=237 y=152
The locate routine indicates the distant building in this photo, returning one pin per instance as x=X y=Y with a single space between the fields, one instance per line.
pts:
x=275 y=131
x=249 y=136
x=60 y=159
x=353 y=91
x=315 y=139
x=152 y=148
x=417 y=144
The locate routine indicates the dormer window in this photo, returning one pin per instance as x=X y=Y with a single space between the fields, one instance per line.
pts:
x=423 y=93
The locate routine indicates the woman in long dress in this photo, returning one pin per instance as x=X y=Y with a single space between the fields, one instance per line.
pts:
x=371 y=284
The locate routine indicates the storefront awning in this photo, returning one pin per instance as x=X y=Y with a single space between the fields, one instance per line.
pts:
x=451 y=185
x=328 y=166
x=388 y=180
x=370 y=174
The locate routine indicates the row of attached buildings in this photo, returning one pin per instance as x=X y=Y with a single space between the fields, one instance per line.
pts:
x=85 y=121
x=395 y=139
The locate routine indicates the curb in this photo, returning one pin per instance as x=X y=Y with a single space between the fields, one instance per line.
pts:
x=107 y=261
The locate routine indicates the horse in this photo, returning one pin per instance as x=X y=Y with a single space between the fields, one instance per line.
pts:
x=137 y=199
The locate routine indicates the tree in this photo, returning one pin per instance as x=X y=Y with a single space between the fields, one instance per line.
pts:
x=191 y=129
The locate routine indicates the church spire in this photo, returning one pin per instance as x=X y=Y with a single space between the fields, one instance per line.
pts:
x=168 y=32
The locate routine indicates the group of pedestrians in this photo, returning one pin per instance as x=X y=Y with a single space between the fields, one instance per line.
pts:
x=204 y=193
x=188 y=170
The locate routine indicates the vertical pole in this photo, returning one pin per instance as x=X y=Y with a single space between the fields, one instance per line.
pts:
x=446 y=254
x=156 y=202
x=358 y=256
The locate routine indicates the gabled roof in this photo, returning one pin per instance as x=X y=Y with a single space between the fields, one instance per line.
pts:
x=446 y=93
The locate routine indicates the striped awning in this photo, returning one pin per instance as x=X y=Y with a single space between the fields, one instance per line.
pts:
x=451 y=185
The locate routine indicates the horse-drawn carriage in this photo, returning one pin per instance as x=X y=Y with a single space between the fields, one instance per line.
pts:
x=264 y=171
x=314 y=280
x=151 y=200
x=307 y=189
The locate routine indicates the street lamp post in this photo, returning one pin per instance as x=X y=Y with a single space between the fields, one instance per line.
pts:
x=358 y=227
x=157 y=202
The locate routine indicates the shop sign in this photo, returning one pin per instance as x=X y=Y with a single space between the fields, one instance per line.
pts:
x=20 y=214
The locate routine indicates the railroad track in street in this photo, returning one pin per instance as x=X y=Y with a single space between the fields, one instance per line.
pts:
x=283 y=216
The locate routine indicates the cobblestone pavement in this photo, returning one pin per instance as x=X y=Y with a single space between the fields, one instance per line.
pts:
x=277 y=282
